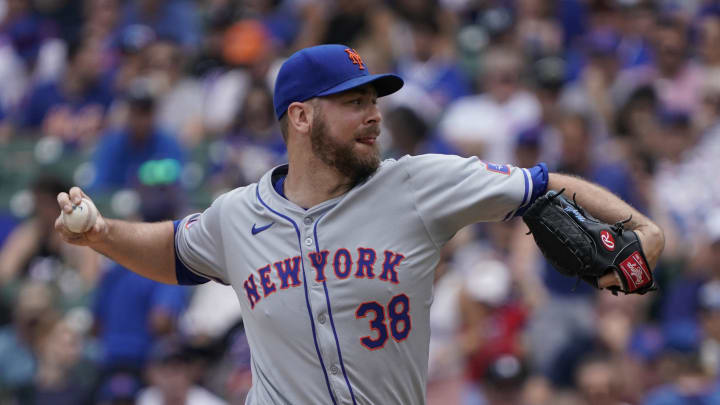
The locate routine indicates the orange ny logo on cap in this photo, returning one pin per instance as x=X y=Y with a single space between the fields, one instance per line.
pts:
x=355 y=58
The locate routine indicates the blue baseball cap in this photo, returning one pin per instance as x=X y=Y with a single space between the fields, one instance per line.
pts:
x=324 y=70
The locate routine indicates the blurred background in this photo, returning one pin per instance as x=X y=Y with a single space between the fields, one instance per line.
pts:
x=155 y=107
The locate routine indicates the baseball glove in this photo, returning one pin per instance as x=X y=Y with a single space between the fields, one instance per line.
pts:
x=578 y=245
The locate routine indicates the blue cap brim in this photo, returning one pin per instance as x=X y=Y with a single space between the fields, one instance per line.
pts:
x=384 y=84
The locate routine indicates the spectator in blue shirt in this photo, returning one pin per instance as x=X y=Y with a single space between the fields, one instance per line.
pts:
x=120 y=154
x=691 y=384
x=26 y=29
x=427 y=66
x=174 y=19
x=131 y=312
x=254 y=143
x=73 y=107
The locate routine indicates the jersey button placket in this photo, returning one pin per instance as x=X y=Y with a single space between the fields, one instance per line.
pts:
x=325 y=335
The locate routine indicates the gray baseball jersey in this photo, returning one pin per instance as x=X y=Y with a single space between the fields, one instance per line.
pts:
x=336 y=298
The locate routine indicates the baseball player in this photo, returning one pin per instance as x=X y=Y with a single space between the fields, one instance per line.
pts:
x=332 y=255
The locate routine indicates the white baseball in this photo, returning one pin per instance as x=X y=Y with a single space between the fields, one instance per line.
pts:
x=82 y=217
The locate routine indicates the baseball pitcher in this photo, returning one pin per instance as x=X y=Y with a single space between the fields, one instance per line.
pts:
x=332 y=255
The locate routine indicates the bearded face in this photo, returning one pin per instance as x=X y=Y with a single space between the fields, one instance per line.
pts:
x=352 y=159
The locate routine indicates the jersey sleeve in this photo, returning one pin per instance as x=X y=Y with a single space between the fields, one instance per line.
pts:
x=199 y=253
x=451 y=192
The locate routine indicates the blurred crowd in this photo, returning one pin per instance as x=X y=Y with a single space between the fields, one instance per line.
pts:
x=168 y=97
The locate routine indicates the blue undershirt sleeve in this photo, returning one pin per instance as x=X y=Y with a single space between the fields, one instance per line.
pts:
x=539 y=178
x=182 y=273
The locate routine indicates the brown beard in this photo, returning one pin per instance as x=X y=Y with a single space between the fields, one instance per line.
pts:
x=341 y=155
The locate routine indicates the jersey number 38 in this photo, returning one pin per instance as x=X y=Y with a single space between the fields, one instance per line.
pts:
x=398 y=310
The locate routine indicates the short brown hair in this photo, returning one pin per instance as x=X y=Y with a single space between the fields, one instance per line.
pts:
x=285 y=123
